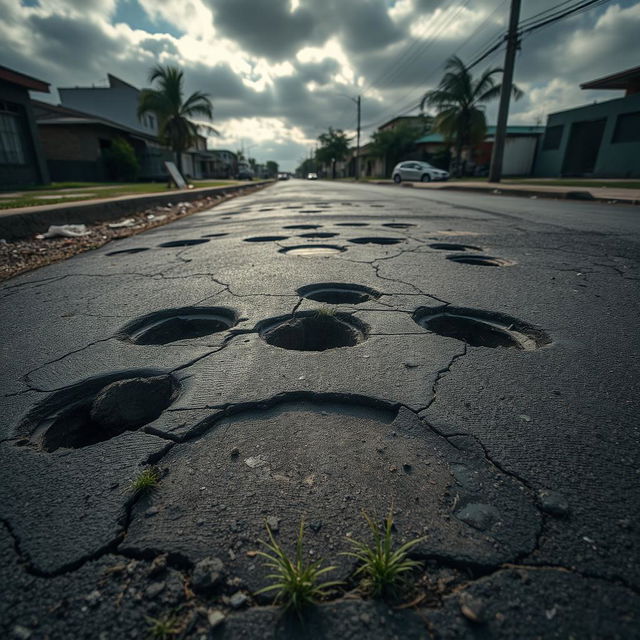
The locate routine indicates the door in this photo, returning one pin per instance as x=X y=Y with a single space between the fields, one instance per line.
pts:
x=583 y=146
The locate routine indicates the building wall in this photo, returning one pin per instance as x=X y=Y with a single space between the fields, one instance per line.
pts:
x=519 y=155
x=614 y=159
x=118 y=104
x=33 y=170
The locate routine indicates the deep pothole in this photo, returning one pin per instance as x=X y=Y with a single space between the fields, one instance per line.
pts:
x=98 y=410
x=449 y=246
x=480 y=328
x=312 y=250
x=318 y=234
x=127 y=251
x=314 y=331
x=171 y=325
x=481 y=261
x=183 y=243
x=338 y=293
x=375 y=240
x=265 y=238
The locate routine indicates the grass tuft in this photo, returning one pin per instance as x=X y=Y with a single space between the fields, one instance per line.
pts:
x=294 y=579
x=382 y=569
x=165 y=627
x=146 y=481
x=325 y=312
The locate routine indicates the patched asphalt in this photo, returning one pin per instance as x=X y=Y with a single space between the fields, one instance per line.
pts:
x=313 y=351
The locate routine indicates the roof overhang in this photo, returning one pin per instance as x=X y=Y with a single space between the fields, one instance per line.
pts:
x=28 y=82
x=624 y=80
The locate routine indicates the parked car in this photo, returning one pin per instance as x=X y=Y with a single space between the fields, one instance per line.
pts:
x=415 y=171
x=245 y=172
x=312 y=176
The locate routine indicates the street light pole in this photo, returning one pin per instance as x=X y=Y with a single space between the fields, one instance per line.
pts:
x=495 y=172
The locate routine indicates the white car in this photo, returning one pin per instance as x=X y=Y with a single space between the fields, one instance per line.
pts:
x=415 y=171
x=312 y=176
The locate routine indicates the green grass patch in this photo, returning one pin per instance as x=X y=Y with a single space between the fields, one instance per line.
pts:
x=295 y=580
x=164 y=627
x=145 y=482
x=382 y=569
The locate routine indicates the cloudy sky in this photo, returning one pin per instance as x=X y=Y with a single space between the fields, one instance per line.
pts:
x=280 y=71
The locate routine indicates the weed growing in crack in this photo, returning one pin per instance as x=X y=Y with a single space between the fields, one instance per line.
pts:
x=145 y=482
x=325 y=312
x=294 y=579
x=165 y=627
x=381 y=568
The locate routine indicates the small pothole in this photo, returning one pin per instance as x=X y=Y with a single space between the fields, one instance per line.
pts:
x=125 y=251
x=398 y=225
x=302 y=226
x=481 y=261
x=265 y=238
x=310 y=210
x=480 y=328
x=171 y=325
x=312 y=250
x=315 y=331
x=215 y=235
x=318 y=234
x=338 y=293
x=183 y=243
x=105 y=412
x=352 y=224
x=375 y=240
x=449 y=246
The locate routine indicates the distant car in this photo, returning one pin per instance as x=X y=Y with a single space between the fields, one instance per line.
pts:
x=283 y=176
x=414 y=171
x=245 y=172
x=312 y=176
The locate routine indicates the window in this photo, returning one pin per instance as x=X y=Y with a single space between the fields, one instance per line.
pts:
x=11 y=138
x=552 y=138
x=627 y=128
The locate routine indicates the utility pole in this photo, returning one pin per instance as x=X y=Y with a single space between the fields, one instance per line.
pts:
x=495 y=172
x=358 y=104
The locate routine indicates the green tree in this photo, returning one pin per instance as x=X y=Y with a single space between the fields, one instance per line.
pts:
x=392 y=145
x=272 y=168
x=121 y=161
x=458 y=99
x=176 y=125
x=334 y=147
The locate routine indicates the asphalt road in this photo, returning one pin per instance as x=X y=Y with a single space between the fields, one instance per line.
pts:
x=314 y=350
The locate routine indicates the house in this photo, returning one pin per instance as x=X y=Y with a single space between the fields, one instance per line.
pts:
x=118 y=103
x=22 y=161
x=597 y=140
x=225 y=163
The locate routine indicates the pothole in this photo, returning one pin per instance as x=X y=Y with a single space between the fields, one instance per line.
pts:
x=98 y=410
x=266 y=209
x=481 y=328
x=374 y=240
x=448 y=246
x=215 y=235
x=265 y=238
x=312 y=250
x=314 y=331
x=124 y=251
x=310 y=210
x=302 y=226
x=171 y=325
x=352 y=224
x=481 y=261
x=338 y=293
x=398 y=225
x=183 y=243
x=318 y=234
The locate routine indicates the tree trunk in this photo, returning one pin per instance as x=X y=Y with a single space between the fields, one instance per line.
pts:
x=333 y=170
x=459 y=159
x=179 y=162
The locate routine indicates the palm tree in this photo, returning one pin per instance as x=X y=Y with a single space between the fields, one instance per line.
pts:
x=176 y=126
x=458 y=99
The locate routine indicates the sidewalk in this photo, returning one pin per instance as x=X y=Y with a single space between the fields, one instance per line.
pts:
x=601 y=194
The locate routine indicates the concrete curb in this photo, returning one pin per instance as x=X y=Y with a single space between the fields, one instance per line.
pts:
x=523 y=193
x=22 y=223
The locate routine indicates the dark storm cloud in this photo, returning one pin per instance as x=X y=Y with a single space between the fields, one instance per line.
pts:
x=264 y=28
x=319 y=72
